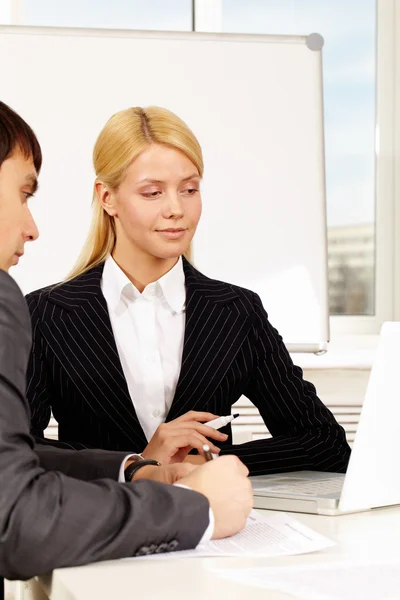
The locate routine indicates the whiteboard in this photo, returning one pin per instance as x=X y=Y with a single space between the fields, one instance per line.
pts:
x=255 y=104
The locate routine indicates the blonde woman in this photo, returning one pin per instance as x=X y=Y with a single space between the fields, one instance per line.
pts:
x=137 y=349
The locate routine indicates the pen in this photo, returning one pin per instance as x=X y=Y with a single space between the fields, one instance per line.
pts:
x=221 y=421
x=207 y=453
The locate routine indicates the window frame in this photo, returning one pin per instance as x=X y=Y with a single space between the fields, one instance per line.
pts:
x=387 y=251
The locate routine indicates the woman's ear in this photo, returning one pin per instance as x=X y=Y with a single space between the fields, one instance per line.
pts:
x=106 y=198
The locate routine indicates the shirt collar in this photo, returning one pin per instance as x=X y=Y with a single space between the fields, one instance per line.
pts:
x=173 y=287
x=115 y=282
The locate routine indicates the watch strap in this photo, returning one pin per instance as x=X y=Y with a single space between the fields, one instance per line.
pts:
x=130 y=471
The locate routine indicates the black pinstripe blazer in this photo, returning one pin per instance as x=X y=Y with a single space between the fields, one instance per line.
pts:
x=230 y=349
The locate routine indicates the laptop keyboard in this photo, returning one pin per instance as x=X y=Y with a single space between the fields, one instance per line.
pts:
x=307 y=488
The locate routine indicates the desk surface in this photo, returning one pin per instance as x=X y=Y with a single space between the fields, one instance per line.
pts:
x=372 y=535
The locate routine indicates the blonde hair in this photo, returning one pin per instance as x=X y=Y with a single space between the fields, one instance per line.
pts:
x=124 y=137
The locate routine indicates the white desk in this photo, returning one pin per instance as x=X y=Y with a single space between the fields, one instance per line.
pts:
x=370 y=535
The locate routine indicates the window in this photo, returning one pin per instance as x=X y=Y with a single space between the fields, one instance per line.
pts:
x=175 y=15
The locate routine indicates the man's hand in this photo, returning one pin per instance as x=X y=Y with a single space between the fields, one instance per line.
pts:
x=195 y=459
x=225 y=483
x=172 y=441
x=166 y=474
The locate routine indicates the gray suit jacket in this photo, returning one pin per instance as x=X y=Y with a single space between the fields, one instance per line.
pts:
x=49 y=517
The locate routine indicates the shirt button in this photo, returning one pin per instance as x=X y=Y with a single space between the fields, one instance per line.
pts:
x=156 y=413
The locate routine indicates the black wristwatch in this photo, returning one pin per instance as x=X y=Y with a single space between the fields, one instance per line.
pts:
x=138 y=463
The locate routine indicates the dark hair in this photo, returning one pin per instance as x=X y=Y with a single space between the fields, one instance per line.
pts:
x=15 y=134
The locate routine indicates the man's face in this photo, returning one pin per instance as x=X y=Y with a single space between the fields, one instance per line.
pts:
x=18 y=182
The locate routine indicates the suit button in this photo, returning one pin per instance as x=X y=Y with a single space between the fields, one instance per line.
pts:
x=152 y=548
x=172 y=545
x=162 y=548
x=143 y=551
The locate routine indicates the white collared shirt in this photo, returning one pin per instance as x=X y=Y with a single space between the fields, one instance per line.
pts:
x=149 y=332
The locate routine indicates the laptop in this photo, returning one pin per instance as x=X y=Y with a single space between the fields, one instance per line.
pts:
x=373 y=475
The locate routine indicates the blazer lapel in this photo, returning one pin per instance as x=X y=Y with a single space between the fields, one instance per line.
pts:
x=214 y=331
x=81 y=336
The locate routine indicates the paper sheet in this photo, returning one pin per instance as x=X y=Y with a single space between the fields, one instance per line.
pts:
x=272 y=535
x=374 y=581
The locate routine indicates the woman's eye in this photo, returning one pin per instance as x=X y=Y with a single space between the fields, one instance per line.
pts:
x=191 y=191
x=153 y=194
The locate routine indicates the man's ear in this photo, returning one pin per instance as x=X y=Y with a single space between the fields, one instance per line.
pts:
x=106 y=198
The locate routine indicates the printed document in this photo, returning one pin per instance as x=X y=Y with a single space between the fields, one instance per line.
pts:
x=264 y=535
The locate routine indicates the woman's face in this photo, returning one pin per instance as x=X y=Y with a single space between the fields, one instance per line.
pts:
x=158 y=205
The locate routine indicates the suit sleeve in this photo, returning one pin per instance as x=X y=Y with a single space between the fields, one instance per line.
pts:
x=39 y=390
x=81 y=464
x=305 y=434
x=50 y=520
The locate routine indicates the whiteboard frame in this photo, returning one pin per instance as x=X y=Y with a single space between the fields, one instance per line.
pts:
x=179 y=35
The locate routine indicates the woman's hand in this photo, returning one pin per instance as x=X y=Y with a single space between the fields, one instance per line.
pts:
x=172 y=441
